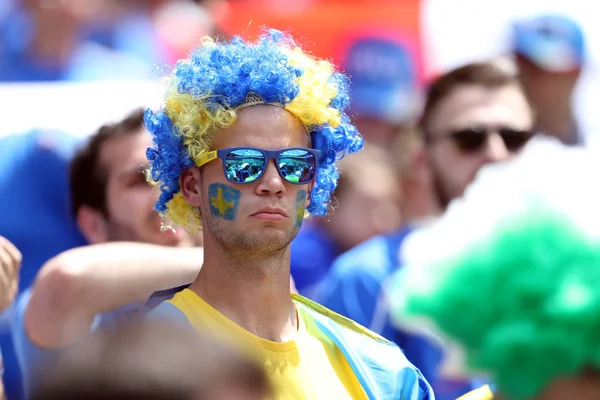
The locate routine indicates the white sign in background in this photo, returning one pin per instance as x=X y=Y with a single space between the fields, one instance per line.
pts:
x=76 y=108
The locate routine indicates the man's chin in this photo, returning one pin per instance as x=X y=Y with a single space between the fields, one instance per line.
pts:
x=274 y=239
x=262 y=241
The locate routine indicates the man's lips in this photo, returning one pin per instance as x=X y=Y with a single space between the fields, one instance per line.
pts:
x=270 y=213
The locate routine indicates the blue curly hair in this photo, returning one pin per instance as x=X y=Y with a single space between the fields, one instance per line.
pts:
x=206 y=89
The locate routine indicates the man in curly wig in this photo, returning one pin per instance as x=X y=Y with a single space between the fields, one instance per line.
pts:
x=514 y=292
x=247 y=144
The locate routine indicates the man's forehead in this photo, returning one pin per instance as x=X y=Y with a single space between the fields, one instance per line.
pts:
x=126 y=154
x=261 y=122
x=478 y=104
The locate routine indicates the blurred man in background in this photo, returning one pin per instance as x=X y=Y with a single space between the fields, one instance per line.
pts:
x=383 y=74
x=368 y=198
x=550 y=53
x=474 y=115
x=130 y=257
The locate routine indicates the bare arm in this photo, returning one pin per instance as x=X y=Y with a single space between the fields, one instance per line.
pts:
x=75 y=286
x=10 y=264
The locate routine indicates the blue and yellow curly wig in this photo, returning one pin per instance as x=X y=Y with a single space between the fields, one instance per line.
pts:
x=205 y=90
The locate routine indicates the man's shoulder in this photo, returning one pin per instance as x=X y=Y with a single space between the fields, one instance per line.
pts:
x=338 y=320
x=161 y=296
x=380 y=366
x=166 y=312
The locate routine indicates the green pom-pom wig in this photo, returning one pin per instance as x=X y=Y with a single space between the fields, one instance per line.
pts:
x=515 y=283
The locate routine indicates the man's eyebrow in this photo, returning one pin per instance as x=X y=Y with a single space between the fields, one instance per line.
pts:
x=127 y=172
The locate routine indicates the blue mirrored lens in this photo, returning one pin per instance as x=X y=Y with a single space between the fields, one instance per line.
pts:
x=244 y=165
x=297 y=166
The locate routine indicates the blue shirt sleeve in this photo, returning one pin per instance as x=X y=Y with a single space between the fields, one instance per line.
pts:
x=168 y=312
x=33 y=359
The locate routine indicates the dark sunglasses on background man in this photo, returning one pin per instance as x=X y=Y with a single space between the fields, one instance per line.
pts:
x=473 y=139
x=296 y=165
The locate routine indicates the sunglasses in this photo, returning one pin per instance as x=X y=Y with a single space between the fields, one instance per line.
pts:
x=296 y=165
x=473 y=139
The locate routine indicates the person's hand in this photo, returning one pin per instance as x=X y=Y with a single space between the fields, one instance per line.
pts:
x=10 y=264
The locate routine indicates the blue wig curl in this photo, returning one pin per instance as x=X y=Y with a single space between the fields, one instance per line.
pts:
x=206 y=89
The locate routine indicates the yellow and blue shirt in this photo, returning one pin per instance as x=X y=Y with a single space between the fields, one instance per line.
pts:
x=330 y=358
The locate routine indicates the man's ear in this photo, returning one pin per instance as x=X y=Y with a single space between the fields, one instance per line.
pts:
x=92 y=224
x=190 y=183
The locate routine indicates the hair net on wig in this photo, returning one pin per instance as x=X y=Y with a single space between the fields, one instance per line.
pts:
x=205 y=90
x=510 y=274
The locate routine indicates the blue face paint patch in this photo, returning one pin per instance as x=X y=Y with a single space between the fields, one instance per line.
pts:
x=300 y=207
x=224 y=201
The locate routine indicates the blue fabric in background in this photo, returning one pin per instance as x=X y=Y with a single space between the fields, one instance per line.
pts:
x=34 y=215
x=313 y=251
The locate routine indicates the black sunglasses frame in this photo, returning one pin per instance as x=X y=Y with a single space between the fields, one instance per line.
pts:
x=483 y=133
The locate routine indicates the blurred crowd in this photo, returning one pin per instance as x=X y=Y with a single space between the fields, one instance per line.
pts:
x=63 y=197
x=97 y=40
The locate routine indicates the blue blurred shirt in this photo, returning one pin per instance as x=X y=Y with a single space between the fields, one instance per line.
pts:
x=354 y=288
x=34 y=215
x=34 y=206
x=312 y=253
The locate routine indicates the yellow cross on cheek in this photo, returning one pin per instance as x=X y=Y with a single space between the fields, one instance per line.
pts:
x=300 y=204
x=300 y=214
x=220 y=203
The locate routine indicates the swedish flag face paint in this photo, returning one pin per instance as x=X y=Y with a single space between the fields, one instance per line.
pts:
x=224 y=201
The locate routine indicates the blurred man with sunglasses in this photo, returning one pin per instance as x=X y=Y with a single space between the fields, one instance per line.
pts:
x=473 y=115
x=246 y=145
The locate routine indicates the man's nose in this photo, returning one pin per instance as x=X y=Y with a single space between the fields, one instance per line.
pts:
x=271 y=182
x=494 y=149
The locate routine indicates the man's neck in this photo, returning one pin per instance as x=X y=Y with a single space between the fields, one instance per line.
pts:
x=557 y=120
x=253 y=292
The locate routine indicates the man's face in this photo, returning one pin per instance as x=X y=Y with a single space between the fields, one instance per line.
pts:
x=129 y=198
x=493 y=112
x=258 y=217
